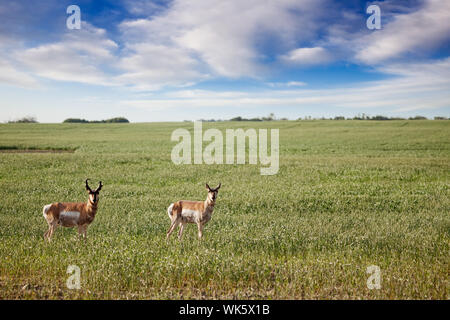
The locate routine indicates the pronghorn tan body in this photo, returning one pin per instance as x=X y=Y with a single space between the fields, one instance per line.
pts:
x=72 y=214
x=199 y=212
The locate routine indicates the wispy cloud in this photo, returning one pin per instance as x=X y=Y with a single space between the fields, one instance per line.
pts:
x=182 y=43
x=78 y=57
x=287 y=84
x=170 y=54
x=409 y=90
x=307 y=56
x=11 y=75
x=413 y=32
x=222 y=37
x=153 y=67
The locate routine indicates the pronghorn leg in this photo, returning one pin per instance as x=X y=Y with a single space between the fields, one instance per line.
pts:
x=180 y=232
x=80 y=231
x=50 y=234
x=174 y=224
x=200 y=230
x=47 y=232
x=170 y=229
x=85 y=232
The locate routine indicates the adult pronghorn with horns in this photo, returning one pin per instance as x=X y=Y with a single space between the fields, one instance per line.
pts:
x=72 y=214
x=199 y=212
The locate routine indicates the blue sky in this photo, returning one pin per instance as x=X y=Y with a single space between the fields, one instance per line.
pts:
x=187 y=60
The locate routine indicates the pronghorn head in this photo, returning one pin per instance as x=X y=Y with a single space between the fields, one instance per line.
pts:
x=93 y=194
x=212 y=193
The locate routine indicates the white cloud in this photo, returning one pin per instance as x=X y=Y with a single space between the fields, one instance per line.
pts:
x=215 y=38
x=77 y=57
x=10 y=72
x=296 y=84
x=12 y=76
x=417 y=31
x=287 y=84
x=420 y=86
x=143 y=7
x=185 y=42
x=152 y=67
x=307 y=56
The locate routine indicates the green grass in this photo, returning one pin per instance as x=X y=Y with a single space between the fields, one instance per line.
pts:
x=348 y=194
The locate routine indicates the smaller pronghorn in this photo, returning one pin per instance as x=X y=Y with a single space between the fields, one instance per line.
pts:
x=199 y=212
x=72 y=214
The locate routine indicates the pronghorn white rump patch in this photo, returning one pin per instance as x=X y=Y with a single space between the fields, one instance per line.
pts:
x=45 y=210
x=169 y=210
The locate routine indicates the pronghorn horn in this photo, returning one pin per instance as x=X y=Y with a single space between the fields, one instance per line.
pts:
x=207 y=187
x=218 y=187
x=87 y=185
x=99 y=186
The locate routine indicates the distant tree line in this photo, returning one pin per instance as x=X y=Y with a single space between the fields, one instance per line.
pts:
x=271 y=117
x=27 y=119
x=377 y=117
x=112 y=120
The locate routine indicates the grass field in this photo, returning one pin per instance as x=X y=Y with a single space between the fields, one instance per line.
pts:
x=349 y=194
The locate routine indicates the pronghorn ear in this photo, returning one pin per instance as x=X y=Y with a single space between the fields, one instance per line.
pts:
x=208 y=188
x=218 y=187
x=99 y=186
x=87 y=186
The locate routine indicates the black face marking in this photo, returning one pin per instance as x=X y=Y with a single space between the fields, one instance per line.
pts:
x=95 y=194
x=213 y=191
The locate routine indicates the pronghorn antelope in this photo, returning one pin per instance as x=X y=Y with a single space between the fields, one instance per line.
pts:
x=72 y=214
x=199 y=212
